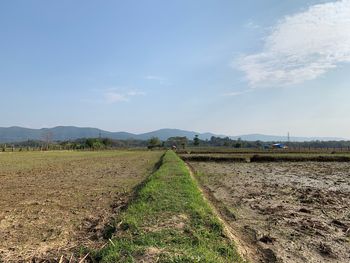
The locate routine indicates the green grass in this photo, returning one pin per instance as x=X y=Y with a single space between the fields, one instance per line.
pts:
x=169 y=221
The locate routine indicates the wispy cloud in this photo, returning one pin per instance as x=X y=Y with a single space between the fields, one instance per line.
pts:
x=236 y=93
x=136 y=93
x=251 y=25
x=301 y=47
x=113 y=96
x=161 y=80
x=152 y=77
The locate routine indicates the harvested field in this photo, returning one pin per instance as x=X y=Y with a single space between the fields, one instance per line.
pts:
x=288 y=211
x=55 y=203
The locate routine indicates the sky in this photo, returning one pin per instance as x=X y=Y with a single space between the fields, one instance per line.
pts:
x=222 y=66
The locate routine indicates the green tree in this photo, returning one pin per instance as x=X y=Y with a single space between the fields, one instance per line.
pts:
x=177 y=141
x=196 y=140
x=154 y=142
x=227 y=141
x=107 y=142
x=94 y=143
x=89 y=142
x=238 y=144
x=97 y=145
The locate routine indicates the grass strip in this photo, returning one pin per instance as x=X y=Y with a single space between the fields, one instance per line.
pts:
x=169 y=221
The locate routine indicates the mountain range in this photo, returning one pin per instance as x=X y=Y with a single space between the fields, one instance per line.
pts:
x=61 y=133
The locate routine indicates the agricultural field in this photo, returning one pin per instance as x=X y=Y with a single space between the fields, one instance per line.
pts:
x=283 y=211
x=147 y=206
x=53 y=204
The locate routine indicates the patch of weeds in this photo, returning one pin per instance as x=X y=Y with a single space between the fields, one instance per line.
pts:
x=217 y=228
x=108 y=231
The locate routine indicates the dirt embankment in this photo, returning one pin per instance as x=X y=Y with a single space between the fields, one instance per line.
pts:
x=211 y=158
x=291 y=212
x=254 y=158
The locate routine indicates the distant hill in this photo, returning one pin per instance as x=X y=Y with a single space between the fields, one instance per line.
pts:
x=164 y=134
x=61 y=133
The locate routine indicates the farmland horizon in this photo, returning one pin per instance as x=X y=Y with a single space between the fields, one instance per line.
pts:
x=18 y=133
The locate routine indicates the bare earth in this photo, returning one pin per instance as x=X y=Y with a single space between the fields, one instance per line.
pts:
x=53 y=203
x=290 y=212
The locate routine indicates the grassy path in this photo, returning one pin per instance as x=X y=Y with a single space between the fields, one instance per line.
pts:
x=169 y=221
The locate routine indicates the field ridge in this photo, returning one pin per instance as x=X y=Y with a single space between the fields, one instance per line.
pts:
x=265 y=158
x=223 y=214
x=169 y=221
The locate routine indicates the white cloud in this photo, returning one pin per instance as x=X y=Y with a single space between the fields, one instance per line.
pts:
x=113 y=96
x=235 y=93
x=301 y=47
x=251 y=25
x=152 y=77
x=136 y=93
x=161 y=80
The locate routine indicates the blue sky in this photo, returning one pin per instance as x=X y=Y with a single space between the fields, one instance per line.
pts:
x=230 y=67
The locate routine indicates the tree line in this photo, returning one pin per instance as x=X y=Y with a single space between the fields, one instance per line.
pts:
x=154 y=142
